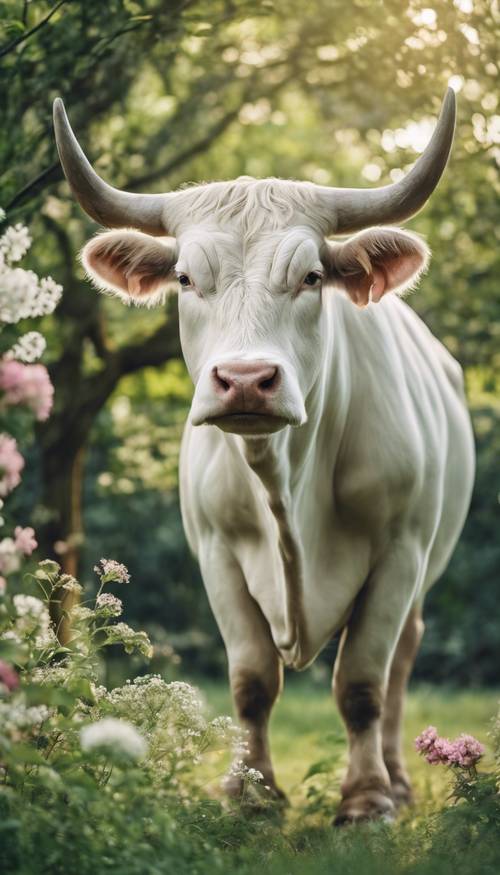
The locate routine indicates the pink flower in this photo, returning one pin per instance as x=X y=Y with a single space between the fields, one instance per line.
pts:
x=8 y=677
x=11 y=464
x=27 y=384
x=465 y=751
x=25 y=540
x=3 y=586
x=426 y=739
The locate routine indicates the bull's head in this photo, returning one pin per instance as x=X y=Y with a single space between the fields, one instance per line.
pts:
x=251 y=259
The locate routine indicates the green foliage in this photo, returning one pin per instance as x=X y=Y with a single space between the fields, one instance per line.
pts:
x=163 y=94
x=93 y=777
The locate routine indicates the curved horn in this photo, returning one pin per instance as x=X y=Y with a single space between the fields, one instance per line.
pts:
x=352 y=209
x=107 y=205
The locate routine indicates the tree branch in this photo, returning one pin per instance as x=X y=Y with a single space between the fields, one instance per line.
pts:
x=21 y=39
x=51 y=174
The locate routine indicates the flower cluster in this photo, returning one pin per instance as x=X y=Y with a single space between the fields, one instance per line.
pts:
x=28 y=385
x=131 y=640
x=29 y=348
x=22 y=293
x=113 y=736
x=11 y=464
x=13 y=549
x=33 y=620
x=238 y=769
x=464 y=752
x=108 y=570
x=109 y=605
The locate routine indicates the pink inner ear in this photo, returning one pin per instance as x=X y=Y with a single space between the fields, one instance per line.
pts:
x=379 y=285
x=143 y=283
x=134 y=284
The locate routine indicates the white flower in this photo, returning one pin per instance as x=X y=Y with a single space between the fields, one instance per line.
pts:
x=22 y=293
x=111 y=570
x=109 y=604
x=15 y=716
x=28 y=348
x=33 y=617
x=115 y=735
x=15 y=242
x=9 y=556
x=238 y=769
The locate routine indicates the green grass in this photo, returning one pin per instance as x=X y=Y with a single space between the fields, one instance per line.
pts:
x=306 y=725
x=306 y=729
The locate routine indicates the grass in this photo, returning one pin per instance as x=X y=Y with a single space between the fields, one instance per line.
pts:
x=306 y=727
x=306 y=732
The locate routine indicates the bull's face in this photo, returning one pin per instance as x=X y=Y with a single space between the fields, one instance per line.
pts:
x=252 y=264
x=251 y=309
x=249 y=321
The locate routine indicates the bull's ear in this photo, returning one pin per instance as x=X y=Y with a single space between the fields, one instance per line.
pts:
x=377 y=261
x=130 y=264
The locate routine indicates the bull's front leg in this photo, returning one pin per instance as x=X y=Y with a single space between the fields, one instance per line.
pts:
x=361 y=679
x=255 y=669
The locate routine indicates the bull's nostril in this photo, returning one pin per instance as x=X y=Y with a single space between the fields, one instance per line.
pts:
x=269 y=382
x=220 y=382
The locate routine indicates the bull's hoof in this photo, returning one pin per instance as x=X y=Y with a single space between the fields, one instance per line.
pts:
x=365 y=806
x=402 y=792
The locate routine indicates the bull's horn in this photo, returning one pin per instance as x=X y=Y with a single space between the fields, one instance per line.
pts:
x=352 y=209
x=107 y=205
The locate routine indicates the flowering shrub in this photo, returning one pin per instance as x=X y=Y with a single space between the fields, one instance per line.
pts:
x=464 y=752
x=67 y=740
x=25 y=388
x=479 y=791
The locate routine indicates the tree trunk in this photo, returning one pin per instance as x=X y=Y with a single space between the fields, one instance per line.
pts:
x=60 y=537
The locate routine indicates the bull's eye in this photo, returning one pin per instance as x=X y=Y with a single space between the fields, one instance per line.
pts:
x=312 y=279
x=184 y=279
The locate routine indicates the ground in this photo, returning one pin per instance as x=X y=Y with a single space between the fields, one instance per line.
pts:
x=307 y=738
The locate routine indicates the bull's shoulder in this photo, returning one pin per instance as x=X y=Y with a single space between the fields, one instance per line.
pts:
x=216 y=488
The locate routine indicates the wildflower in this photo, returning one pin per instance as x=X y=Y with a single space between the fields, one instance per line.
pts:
x=49 y=566
x=3 y=586
x=9 y=556
x=15 y=242
x=22 y=293
x=109 y=605
x=8 y=677
x=238 y=769
x=121 y=633
x=113 y=735
x=464 y=752
x=29 y=348
x=70 y=584
x=27 y=384
x=33 y=619
x=25 y=540
x=425 y=741
x=16 y=716
x=11 y=464
x=109 y=570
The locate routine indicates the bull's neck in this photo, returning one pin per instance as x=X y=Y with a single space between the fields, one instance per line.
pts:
x=283 y=462
x=266 y=461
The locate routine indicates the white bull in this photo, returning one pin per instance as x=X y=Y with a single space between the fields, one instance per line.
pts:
x=330 y=483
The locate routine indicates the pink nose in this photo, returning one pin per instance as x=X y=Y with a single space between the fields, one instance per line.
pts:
x=245 y=386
